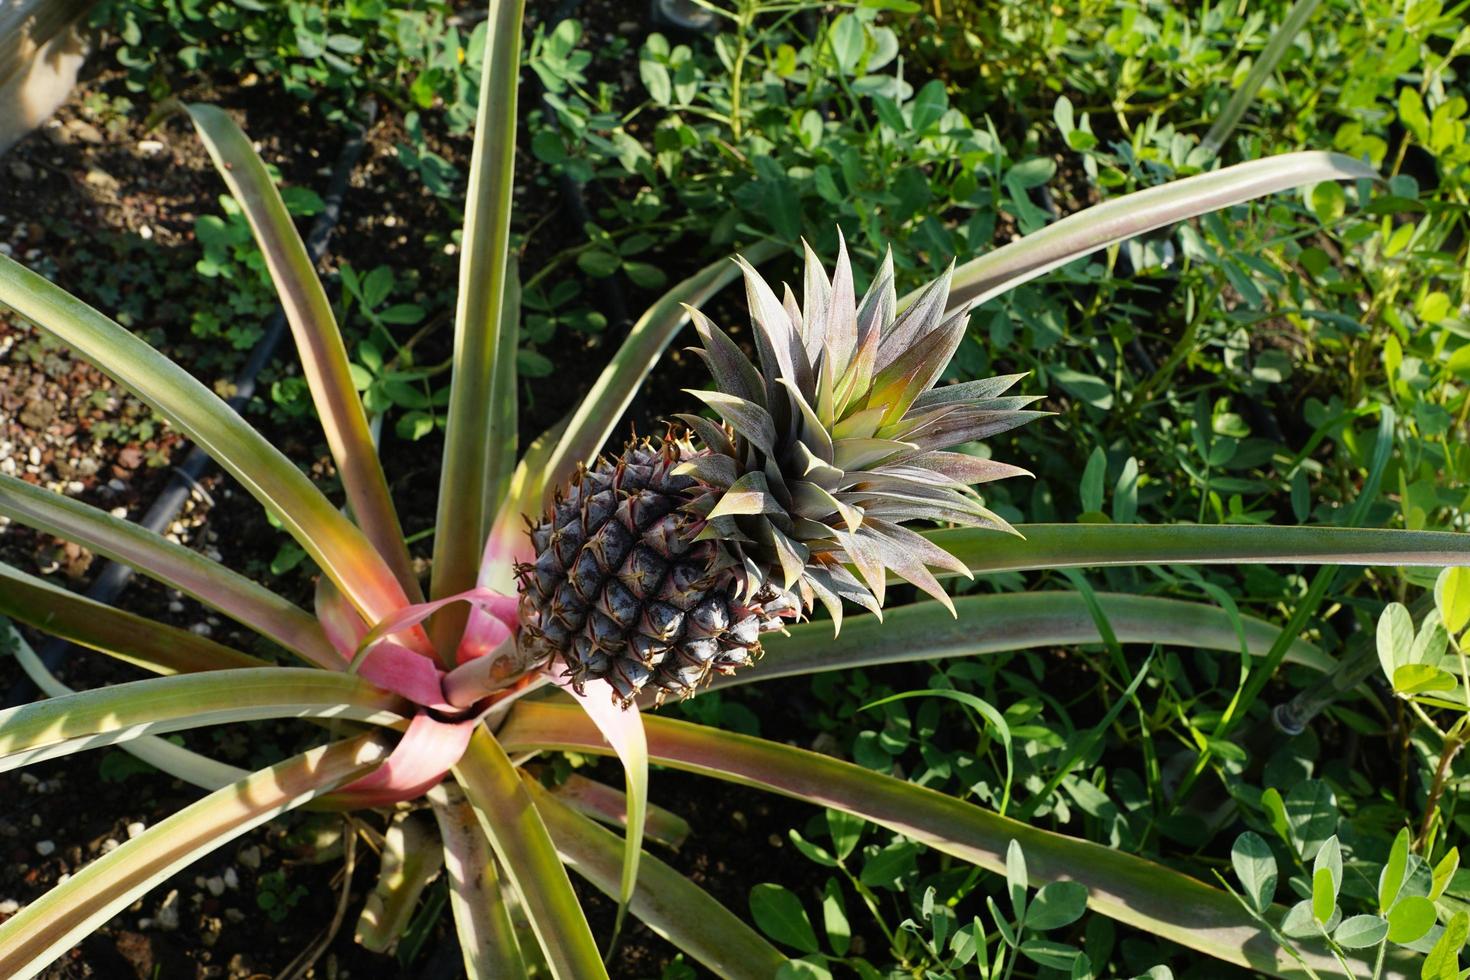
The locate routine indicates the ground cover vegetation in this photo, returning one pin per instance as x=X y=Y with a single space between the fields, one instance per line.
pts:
x=1300 y=360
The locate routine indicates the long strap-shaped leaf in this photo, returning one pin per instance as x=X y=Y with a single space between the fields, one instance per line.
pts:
x=623 y=730
x=524 y=848
x=106 y=715
x=604 y=405
x=50 y=925
x=152 y=646
x=502 y=435
x=409 y=859
x=607 y=805
x=487 y=939
x=211 y=583
x=1130 y=889
x=1090 y=545
x=177 y=761
x=1010 y=621
x=318 y=339
x=333 y=542
x=667 y=902
x=508 y=542
x=472 y=457
x=1115 y=221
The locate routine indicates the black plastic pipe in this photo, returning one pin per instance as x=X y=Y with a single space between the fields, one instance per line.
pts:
x=115 y=576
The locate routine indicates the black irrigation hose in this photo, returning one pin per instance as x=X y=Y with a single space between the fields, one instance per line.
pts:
x=186 y=476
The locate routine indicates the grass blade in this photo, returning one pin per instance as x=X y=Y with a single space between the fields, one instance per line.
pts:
x=318 y=339
x=1003 y=623
x=107 y=715
x=524 y=848
x=1132 y=890
x=50 y=925
x=666 y=901
x=1271 y=55
x=1118 y=220
x=1090 y=545
x=470 y=456
x=333 y=542
x=486 y=936
x=610 y=396
x=152 y=646
x=174 y=565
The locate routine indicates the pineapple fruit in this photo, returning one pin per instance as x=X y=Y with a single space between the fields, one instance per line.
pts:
x=658 y=568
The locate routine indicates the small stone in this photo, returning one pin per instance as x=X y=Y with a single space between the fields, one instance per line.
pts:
x=250 y=857
x=201 y=629
x=110 y=845
x=22 y=171
x=45 y=848
x=232 y=880
x=167 y=916
x=9 y=907
x=234 y=915
x=83 y=131
x=101 y=179
x=215 y=885
x=135 y=828
x=150 y=148
x=119 y=512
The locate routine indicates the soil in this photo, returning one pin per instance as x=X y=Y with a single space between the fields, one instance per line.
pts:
x=107 y=207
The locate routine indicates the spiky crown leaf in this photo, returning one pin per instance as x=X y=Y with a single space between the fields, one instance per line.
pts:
x=840 y=436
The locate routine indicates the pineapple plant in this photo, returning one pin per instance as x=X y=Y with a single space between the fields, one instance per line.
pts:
x=665 y=565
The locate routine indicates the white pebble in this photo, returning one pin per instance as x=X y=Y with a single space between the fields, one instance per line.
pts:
x=110 y=845
x=216 y=886
x=45 y=848
x=9 y=907
x=232 y=880
x=167 y=916
x=135 y=828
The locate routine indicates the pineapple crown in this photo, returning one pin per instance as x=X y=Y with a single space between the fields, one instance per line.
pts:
x=840 y=437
